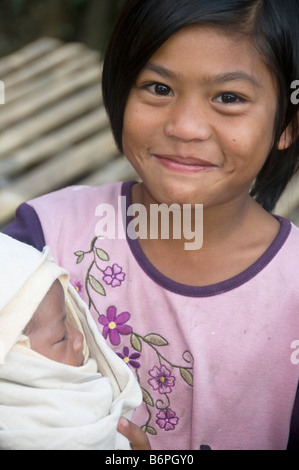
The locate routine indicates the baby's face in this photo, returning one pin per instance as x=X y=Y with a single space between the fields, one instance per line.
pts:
x=52 y=335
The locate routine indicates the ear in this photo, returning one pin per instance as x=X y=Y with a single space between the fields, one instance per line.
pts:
x=286 y=139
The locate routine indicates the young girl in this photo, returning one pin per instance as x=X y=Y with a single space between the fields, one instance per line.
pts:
x=199 y=98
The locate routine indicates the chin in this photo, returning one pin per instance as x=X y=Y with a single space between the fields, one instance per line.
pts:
x=181 y=196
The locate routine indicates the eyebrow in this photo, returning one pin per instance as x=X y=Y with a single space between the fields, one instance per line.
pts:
x=160 y=70
x=218 y=79
x=238 y=75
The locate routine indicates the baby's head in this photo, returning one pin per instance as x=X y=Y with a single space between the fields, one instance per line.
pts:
x=50 y=333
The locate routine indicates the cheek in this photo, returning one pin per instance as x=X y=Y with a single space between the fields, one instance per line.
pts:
x=250 y=144
x=141 y=125
x=244 y=157
x=133 y=137
x=128 y=134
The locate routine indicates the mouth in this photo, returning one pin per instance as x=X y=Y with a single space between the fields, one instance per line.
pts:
x=185 y=164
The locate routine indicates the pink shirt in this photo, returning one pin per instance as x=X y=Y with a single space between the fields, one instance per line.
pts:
x=215 y=363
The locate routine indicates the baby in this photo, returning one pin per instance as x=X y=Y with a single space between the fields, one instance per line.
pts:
x=62 y=387
x=50 y=332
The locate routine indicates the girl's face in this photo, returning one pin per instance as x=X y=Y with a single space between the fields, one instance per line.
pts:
x=199 y=121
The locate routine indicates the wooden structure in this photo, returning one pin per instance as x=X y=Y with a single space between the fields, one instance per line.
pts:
x=53 y=127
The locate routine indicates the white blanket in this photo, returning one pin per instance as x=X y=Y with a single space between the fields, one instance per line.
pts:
x=48 y=405
x=75 y=411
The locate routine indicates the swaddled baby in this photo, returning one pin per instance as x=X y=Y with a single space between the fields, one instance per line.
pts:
x=62 y=387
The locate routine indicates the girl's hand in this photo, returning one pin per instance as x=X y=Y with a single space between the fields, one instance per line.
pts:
x=137 y=438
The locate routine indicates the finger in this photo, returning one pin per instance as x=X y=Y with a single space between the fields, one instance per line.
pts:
x=137 y=438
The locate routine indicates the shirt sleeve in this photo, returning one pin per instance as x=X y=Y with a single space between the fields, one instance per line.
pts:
x=27 y=227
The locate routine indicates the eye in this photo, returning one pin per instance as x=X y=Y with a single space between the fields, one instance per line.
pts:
x=159 y=89
x=229 y=98
x=63 y=338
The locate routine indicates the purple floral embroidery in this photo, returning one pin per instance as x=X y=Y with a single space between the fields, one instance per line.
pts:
x=161 y=379
x=114 y=275
x=129 y=359
x=114 y=325
x=77 y=285
x=167 y=419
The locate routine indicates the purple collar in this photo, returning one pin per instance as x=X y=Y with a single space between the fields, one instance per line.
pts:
x=212 y=289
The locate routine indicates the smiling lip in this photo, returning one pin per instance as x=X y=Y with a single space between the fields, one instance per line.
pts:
x=185 y=164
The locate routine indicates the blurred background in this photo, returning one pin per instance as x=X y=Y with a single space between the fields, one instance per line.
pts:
x=54 y=131
x=87 y=21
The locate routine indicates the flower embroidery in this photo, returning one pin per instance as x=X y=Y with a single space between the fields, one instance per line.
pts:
x=129 y=359
x=77 y=285
x=113 y=275
x=114 y=325
x=161 y=379
x=167 y=419
x=98 y=274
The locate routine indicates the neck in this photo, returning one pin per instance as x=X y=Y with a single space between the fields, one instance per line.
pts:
x=235 y=235
x=194 y=227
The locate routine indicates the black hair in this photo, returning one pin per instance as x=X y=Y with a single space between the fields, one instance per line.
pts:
x=273 y=26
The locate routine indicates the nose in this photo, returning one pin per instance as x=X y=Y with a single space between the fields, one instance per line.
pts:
x=187 y=121
x=77 y=338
